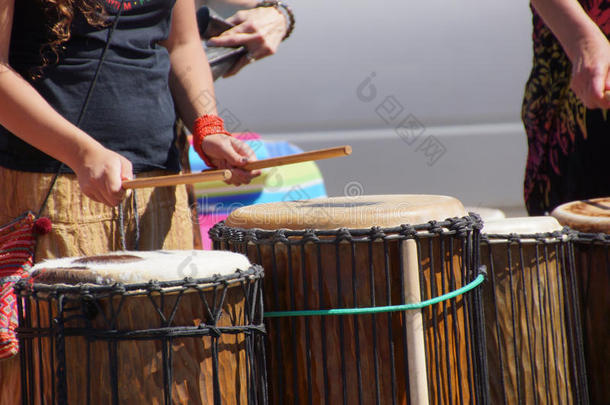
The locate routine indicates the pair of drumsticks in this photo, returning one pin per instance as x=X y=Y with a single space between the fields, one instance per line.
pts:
x=222 y=175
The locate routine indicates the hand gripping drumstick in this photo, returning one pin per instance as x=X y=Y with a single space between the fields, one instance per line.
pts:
x=418 y=381
x=214 y=175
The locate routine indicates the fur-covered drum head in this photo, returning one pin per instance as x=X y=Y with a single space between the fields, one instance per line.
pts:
x=139 y=267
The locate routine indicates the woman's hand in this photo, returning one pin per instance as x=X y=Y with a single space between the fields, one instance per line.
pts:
x=226 y=152
x=101 y=173
x=260 y=30
x=590 y=72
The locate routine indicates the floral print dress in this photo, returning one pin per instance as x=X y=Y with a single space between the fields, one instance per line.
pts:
x=568 y=144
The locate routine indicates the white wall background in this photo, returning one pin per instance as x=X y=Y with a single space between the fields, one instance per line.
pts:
x=457 y=67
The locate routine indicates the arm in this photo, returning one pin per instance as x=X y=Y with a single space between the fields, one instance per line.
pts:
x=27 y=115
x=230 y=7
x=585 y=45
x=193 y=91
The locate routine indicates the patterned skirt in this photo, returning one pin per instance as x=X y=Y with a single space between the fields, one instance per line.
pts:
x=568 y=144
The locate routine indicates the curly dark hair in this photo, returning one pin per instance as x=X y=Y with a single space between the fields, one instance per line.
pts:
x=59 y=16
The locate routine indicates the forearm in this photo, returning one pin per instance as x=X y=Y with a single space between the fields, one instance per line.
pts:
x=190 y=78
x=569 y=23
x=26 y=114
x=229 y=7
x=191 y=82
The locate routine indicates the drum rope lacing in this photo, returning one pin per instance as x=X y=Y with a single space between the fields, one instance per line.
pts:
x=91 y=293
x=452 y=226
x=136 y=218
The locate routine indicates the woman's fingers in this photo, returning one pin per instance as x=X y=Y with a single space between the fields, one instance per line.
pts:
x=101 y=174
x=243 y=149
x=260 y=30
x=230 y=153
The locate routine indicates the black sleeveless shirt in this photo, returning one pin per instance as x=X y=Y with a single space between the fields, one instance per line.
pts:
x=131 y=110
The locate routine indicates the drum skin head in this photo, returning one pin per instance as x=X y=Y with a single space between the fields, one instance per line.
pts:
x=486 y=213
x=347 y=212
x=139 y=267
x=586 y=215
x=521 y=226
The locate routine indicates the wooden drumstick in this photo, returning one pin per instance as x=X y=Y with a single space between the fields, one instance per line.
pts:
x=418 y=380
x=607 y=95
x=319 y=154
x=161 y=181
x=214 y=175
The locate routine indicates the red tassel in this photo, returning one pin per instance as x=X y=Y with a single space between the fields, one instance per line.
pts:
x=42 y=226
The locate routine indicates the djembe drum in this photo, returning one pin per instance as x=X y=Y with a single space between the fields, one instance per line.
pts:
x=533 y=338
x=591 y=220
x=352 y=253
x=96 y=330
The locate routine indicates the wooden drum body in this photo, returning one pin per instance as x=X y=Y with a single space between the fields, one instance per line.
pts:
x=95 y=330
x=351 y=252
x=591 y=220
x=533 y=350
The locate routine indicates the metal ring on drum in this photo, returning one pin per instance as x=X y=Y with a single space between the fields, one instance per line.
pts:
x=590 y=220
x=354 y=252
x=163 y=327
x=533 y=334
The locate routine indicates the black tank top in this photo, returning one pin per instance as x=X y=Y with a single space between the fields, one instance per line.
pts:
x=131 y=109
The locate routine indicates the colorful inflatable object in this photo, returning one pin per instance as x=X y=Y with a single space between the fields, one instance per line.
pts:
x=217 y=200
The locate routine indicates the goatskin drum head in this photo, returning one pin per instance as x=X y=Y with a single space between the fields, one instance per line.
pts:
x=586 y=215
x=521 y=226
x=347 y=212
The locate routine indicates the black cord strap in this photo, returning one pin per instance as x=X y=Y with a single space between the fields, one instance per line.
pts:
x=83 y=110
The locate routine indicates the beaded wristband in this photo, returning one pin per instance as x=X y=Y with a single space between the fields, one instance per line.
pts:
x=284 y=9
x=207 y=125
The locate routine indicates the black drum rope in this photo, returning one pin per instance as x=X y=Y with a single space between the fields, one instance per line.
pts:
x=482 y=369
x=586 y=243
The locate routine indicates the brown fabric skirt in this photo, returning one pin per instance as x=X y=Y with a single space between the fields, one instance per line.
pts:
x=83 y=227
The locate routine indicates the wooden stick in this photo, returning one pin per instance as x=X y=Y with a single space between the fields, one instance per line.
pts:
x=418 y=380
x=320 y=154
x=161 y=181
x=215 y=175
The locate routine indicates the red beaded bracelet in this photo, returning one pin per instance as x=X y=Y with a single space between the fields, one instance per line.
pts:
x=204 y=126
